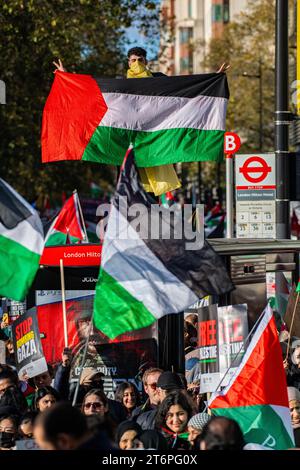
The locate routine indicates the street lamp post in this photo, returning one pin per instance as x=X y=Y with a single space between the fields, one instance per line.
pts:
x=282 y=121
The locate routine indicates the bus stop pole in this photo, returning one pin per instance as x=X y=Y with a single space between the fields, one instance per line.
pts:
x=229 y=195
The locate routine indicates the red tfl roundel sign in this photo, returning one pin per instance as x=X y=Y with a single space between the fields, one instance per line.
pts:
x=255 y=169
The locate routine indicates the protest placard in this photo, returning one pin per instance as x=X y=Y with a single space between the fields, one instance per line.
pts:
x=30 y=360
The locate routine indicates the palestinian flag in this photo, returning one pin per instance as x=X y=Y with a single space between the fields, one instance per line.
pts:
x=66 y=227
x=256 y=396
x=21 y=243
x=145 y=274
x=166 y=119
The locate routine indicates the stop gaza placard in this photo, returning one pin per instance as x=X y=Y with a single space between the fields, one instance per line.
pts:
x=30 y=360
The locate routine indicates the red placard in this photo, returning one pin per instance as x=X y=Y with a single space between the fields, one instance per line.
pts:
x=72 y=255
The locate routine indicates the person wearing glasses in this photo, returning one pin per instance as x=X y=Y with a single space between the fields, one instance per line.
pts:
x=96 y=402
x=149 y=379
x=167 y=382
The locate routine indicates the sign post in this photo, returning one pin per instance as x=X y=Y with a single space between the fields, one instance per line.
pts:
x=255 y=178
x=232 y=145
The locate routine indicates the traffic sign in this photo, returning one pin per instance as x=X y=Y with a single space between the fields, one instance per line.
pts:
x=255 y=196
x=261 y=168
x=232 y=143
x=255 y=172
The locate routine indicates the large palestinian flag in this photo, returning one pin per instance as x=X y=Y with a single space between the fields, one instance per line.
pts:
x=256 y=396
x=166 y=119
x=21 y=243
x=67 y=226
x=146 y=274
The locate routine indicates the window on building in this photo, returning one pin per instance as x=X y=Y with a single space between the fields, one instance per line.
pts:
x=226 y=11
x=186 y=64
x=217 y=13
x=190 y=12
x=185 y=35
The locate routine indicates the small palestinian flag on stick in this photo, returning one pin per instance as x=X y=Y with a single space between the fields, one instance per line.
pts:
x=67 y=226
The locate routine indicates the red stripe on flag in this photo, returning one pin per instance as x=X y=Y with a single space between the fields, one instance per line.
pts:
x=73 y=111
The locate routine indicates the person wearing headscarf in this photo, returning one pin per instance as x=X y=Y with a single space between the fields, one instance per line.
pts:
x=126 y=434
x=195 y=426
x=153 y=440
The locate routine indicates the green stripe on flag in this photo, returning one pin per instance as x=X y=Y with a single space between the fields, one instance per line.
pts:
x=260 y=424
x=116 y=310
x=18 y=267
x=109 y=144
x=60 y=238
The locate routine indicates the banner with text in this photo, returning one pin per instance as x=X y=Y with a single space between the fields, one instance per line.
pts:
x=221 y=335
x=29 y=356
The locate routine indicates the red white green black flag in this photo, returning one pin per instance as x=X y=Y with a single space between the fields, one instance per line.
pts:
x=67 y=225
x=256 y=396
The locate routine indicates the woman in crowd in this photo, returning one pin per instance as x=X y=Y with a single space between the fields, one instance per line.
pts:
x=195 y=426
x=8 y=431
x=95 y=402
x=26 y=425
x=128 y=395
x=44 y=398
x=126 y=435
x=172 y=420
x=14 y=397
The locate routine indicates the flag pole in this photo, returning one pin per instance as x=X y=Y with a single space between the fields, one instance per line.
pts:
x=292 y=324
x=81 y=217
x=63 y=298
x=83 y=361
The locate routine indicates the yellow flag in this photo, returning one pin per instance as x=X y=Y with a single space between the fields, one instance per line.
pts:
x=159 y=179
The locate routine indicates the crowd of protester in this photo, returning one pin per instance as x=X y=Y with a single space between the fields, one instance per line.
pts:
x=169 y=414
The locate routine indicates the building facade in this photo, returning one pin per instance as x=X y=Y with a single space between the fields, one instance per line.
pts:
x=187 y=28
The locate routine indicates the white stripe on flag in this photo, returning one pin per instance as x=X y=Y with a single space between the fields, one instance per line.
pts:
x=154 y=113
x=27 y=233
